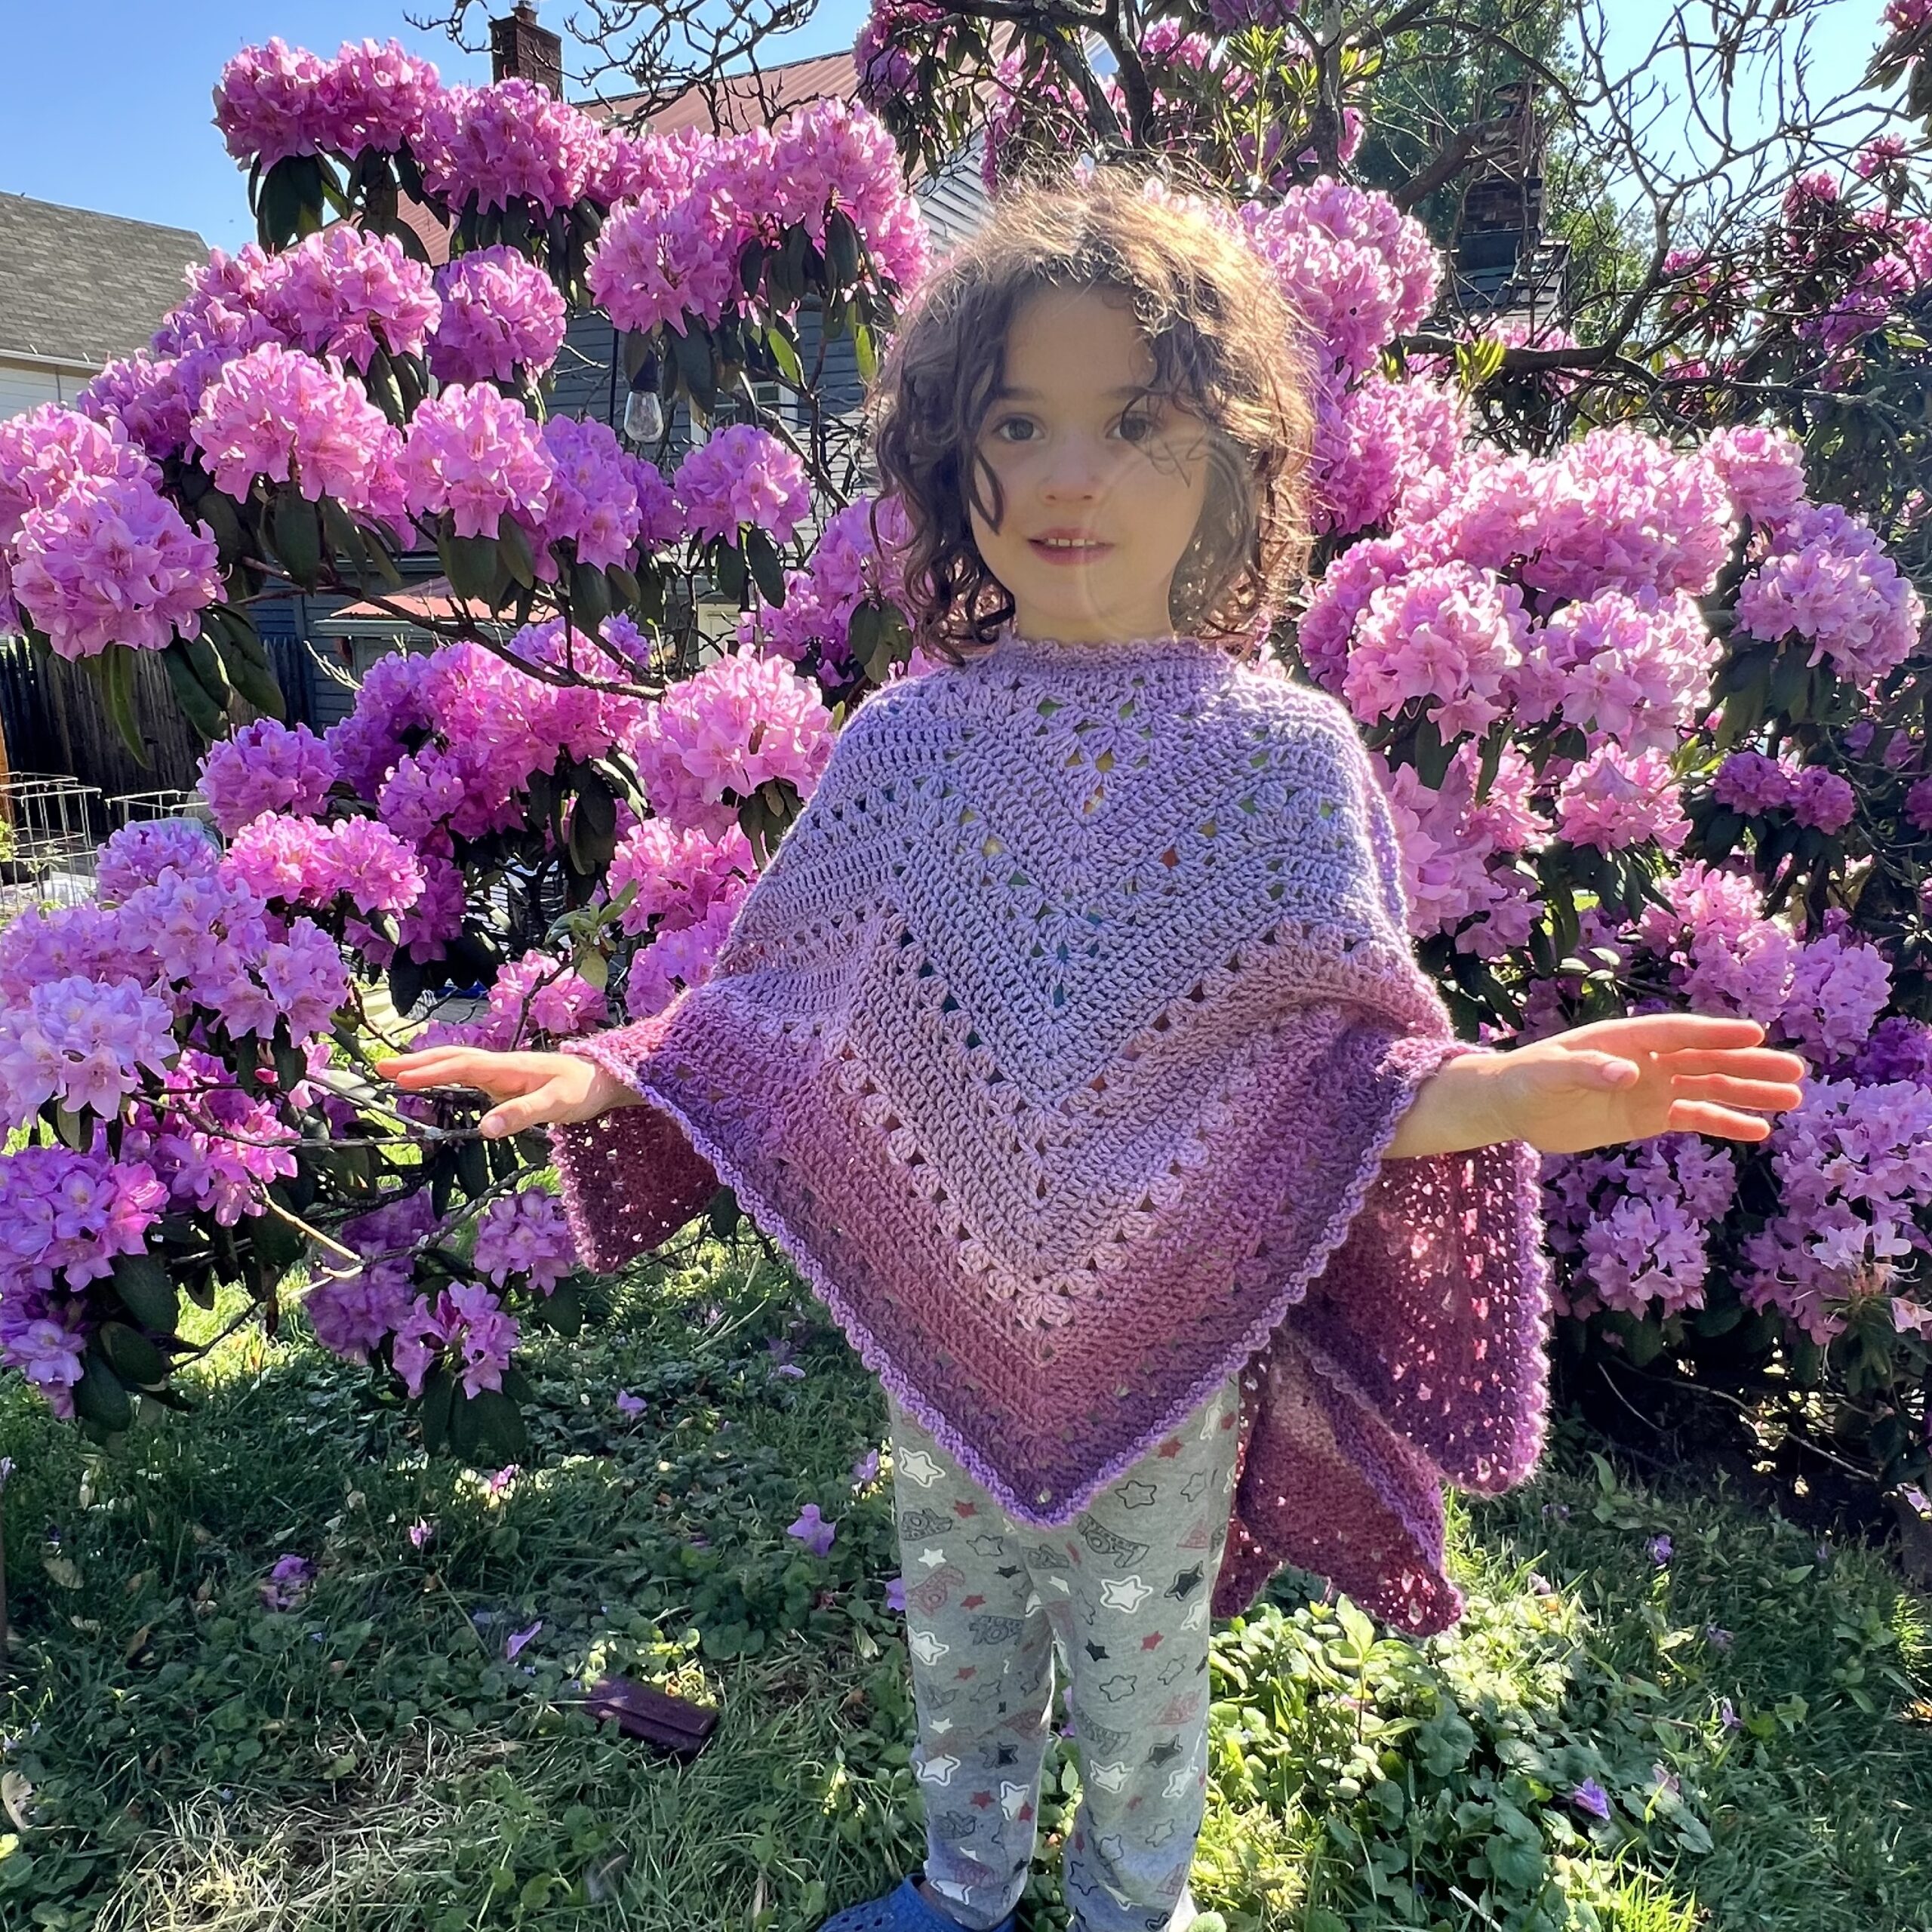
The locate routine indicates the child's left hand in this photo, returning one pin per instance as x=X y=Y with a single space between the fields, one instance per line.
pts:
x=1618 y=1080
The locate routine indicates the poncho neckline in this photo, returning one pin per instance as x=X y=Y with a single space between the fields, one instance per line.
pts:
x=1060 y=1046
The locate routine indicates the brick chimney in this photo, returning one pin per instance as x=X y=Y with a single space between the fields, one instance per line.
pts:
x=519 y=47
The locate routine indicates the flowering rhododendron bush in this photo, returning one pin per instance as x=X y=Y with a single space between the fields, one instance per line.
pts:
x=1648 y=696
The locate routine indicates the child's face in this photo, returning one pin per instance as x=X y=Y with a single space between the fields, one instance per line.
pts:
x=1079 y=452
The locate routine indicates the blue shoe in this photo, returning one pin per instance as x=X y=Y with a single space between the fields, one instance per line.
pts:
x=902 y=1911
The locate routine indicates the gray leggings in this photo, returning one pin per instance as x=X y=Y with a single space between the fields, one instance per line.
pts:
x=1122 y=1593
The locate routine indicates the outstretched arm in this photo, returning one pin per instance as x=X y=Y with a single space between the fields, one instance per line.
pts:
x=1610 y=1081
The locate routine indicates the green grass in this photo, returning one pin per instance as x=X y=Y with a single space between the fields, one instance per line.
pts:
x=370 y=1759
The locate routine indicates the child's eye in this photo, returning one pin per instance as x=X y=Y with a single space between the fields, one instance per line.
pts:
x=1137 y=427
x=1020 y=422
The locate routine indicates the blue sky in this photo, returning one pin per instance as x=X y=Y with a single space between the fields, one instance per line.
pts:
x=104 y=104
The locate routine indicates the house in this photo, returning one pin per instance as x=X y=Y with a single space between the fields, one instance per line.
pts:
x=77 y=290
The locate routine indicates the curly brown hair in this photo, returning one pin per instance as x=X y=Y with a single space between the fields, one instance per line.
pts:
x=1226 y=345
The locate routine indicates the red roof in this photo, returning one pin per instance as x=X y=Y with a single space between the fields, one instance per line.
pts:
x=733 y=102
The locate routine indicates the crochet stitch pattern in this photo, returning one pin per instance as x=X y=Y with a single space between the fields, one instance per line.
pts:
x=1058 y=1046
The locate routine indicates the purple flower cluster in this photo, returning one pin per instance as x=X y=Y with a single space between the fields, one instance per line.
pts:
x=525 y=1234
x=90 y=548
x=344 y=293
x=213 y=1147
x=474 y=452
x=294 y=862
x=353 y=1312
x=499 y=314
x=848 y=567
x=1853 y=1163
x=510 y=141
x=738 y=723
x=64 y=1216
x=1829 y=580
x=1635 y=1222
x=266 y=766
x=1358 y=269
x=465 y=1327
x=671 y=248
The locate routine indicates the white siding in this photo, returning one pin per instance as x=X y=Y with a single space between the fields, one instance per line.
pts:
x=23 y=387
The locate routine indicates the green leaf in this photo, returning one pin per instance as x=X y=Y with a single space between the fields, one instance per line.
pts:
x=843 y=249
x=470 y=564
x=866 y=352
x=117 y=683
x=731 y=567
x=439 y=1401
x=497 y=1425
x=696 y=366
x=515 y=545
x=784 y=349
x=593 y=825
x=252 y=678
x=147 y=1292
x=590 y=596
x=407 y=982
x=98 y=1396
x=133 y=1358
x=298 y=537
x=472 y=1167
x=768 y=572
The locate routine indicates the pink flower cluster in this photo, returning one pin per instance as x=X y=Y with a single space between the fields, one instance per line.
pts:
x=266 y=767
x=300 y=862
x=671 y=248
x=89 y=548
x=1749 y=782
x=474 y=452
x=353 y=1312
x=203 y=943
x=1450 y=631
x=846 y=568
x=139 y=853
x=1374 y=442
x=1828 y=579
x=1632 y=671
x=1460 y=872
x=282 y=415
x=739 y=722
x=1617 y=798
x=64 y=1217
x=1358 y=269
x=345 y=294
x=743 y=475
x=82 y=1044
x=272 y=101
x=1853 y=1164
x=675 y=874
x=679 y=956
x=1764 y=470
x=1635 y=1223
x=886 y=63
x=525 y=1234
x=511 y=140
x=446 y=743
x=501 y=313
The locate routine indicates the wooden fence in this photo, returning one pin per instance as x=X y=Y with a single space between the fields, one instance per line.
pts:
x=54 y=721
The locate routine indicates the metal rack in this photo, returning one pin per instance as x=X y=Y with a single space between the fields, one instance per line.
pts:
x=49 y=825
x=127 y=808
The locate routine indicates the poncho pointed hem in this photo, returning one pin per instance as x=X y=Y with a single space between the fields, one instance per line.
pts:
x=765 y=1211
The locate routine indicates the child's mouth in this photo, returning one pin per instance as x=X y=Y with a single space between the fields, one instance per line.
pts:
x=1066 y=554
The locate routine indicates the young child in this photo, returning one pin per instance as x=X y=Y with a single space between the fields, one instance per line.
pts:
x=1072 y=1046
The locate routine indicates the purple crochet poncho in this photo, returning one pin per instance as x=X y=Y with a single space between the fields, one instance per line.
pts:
x=1058 y=1046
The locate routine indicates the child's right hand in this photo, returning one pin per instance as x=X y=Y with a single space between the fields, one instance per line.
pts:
x=531 y=1089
